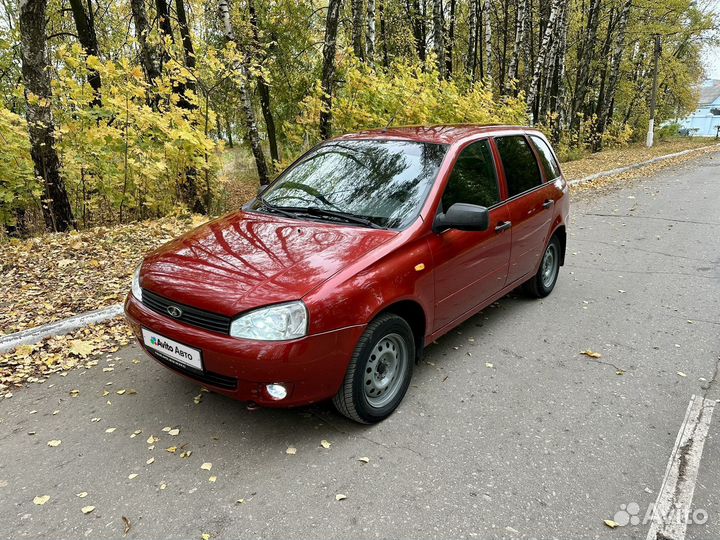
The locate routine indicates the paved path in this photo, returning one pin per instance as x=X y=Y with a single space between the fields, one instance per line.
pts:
x=546 y=443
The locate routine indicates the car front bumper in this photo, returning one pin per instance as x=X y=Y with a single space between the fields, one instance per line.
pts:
x=311 y=368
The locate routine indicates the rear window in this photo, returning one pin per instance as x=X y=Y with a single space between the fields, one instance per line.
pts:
x=518 y=159
x=547 y=159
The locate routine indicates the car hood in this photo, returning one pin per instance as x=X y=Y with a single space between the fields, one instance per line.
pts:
x=247 y=259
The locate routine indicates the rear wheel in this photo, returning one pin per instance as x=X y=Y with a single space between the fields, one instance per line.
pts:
x=379 y=372
x=544 y=281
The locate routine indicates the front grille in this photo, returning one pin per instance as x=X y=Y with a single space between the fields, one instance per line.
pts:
x=207 y=377
x=190 y=315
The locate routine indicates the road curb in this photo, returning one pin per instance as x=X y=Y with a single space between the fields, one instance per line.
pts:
x=59 y=328
x=620 y=170
x=65 y=326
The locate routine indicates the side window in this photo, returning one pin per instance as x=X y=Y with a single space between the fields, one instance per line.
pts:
x=521 y=168
x=473 y=180
x=547 y=159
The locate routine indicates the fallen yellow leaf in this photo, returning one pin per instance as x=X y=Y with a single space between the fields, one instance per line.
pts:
x=54 y=443
x=291 y=450
x=340 y=497
x=81 y=348
x=591 y=354
x=610 y=523
x=206 y=466
x=41 y=500
x=325 y=444
x=87 y=509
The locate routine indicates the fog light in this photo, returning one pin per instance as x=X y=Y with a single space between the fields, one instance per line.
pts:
x=276 y=391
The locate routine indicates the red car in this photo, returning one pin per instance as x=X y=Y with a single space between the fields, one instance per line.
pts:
x=369 y=247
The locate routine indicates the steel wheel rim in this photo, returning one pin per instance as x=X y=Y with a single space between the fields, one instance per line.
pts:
x=549 y=266
x=384 y=370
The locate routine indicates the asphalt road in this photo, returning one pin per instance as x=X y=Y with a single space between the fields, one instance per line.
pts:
x=507 y=431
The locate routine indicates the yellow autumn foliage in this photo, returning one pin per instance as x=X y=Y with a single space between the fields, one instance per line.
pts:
x=407 y=94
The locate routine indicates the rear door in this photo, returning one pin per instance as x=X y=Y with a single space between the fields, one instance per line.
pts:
x=470 y=266
x=530 y=204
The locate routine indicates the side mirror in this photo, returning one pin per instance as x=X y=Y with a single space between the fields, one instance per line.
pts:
x=463 y=217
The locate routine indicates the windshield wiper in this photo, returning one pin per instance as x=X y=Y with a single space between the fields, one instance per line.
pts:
x=272 y=208
x=332 y=214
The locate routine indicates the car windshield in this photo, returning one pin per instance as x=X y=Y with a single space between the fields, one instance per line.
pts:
x=380 y=183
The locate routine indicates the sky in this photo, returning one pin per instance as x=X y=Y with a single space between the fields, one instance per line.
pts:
x=711 y=55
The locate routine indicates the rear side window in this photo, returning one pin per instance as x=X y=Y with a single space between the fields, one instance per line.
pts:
x=521 y=168
x=473 y=179
x=547 y=159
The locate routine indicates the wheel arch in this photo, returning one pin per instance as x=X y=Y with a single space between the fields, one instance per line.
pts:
x=415 y=315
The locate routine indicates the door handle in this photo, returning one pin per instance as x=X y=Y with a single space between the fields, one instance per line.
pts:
x=547 y=204
x=502 y=226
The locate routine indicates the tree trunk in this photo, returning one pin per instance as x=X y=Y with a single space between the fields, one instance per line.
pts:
x=264 y=87
x=605 y=112
x=470 y=61
x=56 y=208
x=149 y=55
x=450 y=45
x=85 y=26
x=370 y=36
x=657 y=51
x=517 y=47
x=357 y=29
x=228 y=130
x=439 y=37
x=534 y=90
x=585 y=57
x=417 y=22
x=188 y=50
x=328 y=68
x=383 y=33
x=488 y=38
x=188 y=187
x=246 y=100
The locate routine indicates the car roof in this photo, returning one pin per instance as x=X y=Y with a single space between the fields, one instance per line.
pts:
x=438 y=134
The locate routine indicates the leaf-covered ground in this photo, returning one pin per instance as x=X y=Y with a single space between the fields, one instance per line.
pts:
x=621 y=157
x=55 y=276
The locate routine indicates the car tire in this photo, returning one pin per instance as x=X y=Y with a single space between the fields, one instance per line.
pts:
x=379 y=372
x=543 y=282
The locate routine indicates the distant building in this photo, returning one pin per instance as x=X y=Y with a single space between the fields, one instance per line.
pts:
x=705 y=120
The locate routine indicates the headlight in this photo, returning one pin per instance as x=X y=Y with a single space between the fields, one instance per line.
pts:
x=274 y=323
x=136 y=290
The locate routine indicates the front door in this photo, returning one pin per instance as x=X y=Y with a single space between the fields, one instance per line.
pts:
x=470 y=266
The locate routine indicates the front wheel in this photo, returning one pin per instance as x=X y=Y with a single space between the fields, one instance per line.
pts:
x=544 y=281
x=379 y=372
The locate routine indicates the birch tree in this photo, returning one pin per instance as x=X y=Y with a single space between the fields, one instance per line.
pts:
x=370 y=36
x=534 y=88
x=439 y=36
x=245 y=97
x=518 y=43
